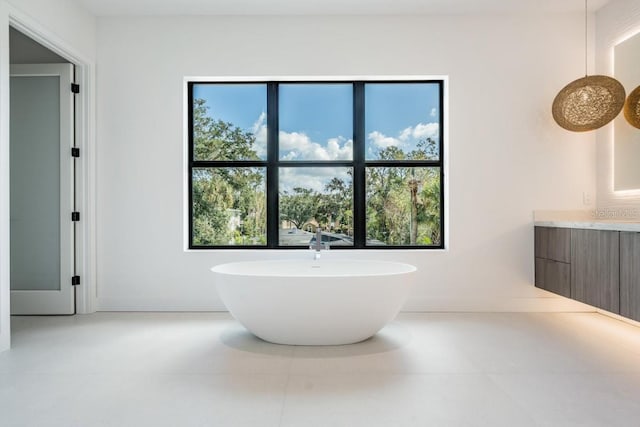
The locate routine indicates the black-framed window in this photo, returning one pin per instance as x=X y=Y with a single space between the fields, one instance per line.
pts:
x=270 y=162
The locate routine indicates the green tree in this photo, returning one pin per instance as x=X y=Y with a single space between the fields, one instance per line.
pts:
x=426 y=200
x=221 y=194
x=218 y=140
x=299 y=206
x=426 y=149
x=429 y=216
x=403 y=203
x=335 y=205
x=211 y=197
x=386 y=212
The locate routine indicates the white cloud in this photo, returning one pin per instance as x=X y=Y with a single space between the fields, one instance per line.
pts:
x=298 y=146
x=428 y=130
x=380 y=140
x=313 y=178
x=406 y=134
x=421 y=131
x=259 y=130
x=433 y=112
x=340 y=148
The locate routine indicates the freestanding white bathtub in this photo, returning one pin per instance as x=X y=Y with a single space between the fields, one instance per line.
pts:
x=314 y=302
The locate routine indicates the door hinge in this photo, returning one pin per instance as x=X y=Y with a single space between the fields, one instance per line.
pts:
x=75 y=88
x=75 y=216
x=75 y=152
x=75 y=280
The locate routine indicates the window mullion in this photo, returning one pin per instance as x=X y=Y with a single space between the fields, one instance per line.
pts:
x=273 y=216
x=359 y=202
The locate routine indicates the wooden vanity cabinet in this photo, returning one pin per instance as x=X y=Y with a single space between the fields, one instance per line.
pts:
x=630 y=275
x=598 y=267
x=595 y=268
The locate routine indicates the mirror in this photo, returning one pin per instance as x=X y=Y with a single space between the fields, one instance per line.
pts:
x=626 y=147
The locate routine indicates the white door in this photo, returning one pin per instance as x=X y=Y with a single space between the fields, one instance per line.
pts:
x=42 y=182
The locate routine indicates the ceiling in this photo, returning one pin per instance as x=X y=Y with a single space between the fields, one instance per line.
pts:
x=332 y=7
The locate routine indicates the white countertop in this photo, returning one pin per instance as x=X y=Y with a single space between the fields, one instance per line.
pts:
x=592 y=224
x=627 y=220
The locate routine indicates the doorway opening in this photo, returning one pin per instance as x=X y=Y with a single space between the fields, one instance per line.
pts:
x=43 y=159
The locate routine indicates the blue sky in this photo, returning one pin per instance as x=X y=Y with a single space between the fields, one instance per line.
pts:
x=391 y=107
x=400 y=115
x=319 y=111
x=240 y=104
x=316 y=120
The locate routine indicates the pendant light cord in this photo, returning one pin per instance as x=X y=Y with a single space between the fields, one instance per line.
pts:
x=586 y=19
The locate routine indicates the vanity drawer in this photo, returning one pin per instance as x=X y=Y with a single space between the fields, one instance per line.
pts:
x=553 y=276
x=553 y=243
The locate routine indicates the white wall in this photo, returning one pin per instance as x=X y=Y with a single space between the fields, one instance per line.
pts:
x=62 y=19
x=65 y=25
x=616 y=21
x=506 y=155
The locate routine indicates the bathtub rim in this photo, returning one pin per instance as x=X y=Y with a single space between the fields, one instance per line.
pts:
x=247 y=272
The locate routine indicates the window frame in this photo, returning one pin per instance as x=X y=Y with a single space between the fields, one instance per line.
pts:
x=358 y=162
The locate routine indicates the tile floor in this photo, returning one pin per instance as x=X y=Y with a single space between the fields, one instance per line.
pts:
x=424 y=369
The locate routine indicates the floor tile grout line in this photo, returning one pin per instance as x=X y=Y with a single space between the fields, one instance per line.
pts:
x=291 y=357
x=284 y=400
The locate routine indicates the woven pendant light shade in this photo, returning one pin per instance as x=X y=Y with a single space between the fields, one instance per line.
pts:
x=632 y=108
x=588 y=103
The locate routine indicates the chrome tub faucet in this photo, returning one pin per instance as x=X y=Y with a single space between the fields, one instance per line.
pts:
x=318 y=245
